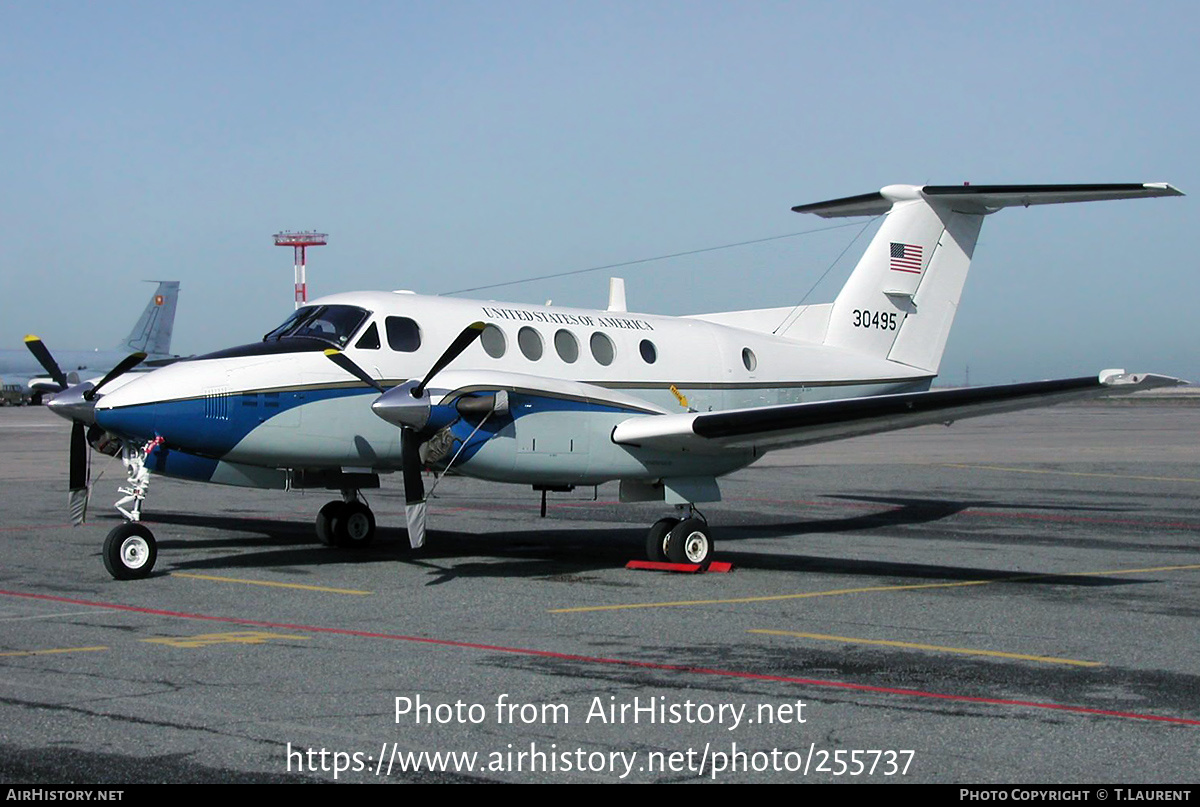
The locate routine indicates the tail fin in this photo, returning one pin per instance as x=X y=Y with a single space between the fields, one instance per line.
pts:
x=901 y=298
x=152 y=333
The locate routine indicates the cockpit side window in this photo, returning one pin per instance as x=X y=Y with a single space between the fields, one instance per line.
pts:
x=370 y=339
x=403 y=334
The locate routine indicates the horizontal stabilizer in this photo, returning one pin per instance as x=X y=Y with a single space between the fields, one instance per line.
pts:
x=789 y=425
x=984 y=198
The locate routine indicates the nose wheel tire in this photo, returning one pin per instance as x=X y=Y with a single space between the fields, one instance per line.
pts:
x=130 y=551
x=690 y=542
x=657 y=538
x=354 y=526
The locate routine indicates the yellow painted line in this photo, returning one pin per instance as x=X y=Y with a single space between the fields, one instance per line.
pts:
x=937 y=648
x=272 y=584
x=866 y=590
x=1127 y=571
x=49 y=652
x=235 y=637
x=768 y=598
x=1069 y=473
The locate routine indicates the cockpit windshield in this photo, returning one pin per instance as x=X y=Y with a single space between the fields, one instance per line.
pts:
x=332 y=323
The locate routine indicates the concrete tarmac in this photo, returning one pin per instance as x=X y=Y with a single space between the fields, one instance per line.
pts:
x=1009 y=600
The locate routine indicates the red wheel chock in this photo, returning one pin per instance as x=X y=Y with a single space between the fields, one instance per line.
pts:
x=683 y=568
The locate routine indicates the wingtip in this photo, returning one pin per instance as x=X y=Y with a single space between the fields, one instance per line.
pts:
x=1120 y=378
x=1166 y=187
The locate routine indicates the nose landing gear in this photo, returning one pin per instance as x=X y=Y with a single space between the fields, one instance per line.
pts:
x=130 y=551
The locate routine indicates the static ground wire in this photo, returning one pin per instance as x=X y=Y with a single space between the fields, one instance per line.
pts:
x=666 y=257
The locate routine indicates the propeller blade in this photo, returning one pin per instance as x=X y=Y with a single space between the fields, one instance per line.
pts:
x=123 y=366
x=414 y=514
x=78 y=496
x=414 y=487
x=40 y=352
x=346 y=363
x=461 y=342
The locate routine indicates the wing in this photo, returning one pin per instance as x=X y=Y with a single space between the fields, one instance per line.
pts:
x=802 y=424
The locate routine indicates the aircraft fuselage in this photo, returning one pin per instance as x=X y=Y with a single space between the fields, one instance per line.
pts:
x=282 y=405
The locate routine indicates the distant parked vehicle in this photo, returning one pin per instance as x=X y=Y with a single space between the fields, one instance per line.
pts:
x=14 y=395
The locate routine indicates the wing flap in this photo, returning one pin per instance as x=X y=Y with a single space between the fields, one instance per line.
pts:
x=790 y=425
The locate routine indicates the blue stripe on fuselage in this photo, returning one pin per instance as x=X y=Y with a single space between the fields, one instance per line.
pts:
x=211 y=426
x=520 y=405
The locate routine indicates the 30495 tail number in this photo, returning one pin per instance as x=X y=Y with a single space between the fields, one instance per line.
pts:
x=875 y=319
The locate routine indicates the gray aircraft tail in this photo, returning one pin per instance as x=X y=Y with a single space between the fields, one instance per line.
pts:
x=152 y=333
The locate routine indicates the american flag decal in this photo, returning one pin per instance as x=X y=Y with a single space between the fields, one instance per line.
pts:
x=906 y=258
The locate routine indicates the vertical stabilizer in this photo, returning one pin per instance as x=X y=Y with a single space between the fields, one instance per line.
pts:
x=901 y=298
x=152 y=333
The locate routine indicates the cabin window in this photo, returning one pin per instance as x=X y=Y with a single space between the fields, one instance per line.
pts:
x=602 y=349
x=648 y=351
x=530 y=342
x=494 y=343
x=403 y=334
x=749 y=359
x=370 y=339
x=567 y=346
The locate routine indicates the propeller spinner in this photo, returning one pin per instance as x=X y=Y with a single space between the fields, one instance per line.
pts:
x=78 y=405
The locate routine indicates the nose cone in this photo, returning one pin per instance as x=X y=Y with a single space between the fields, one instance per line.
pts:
x=72 y=405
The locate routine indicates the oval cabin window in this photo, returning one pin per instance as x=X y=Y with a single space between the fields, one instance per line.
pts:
x=602 y=349
x=530 y=342
x=494 y=343
x=567 y=346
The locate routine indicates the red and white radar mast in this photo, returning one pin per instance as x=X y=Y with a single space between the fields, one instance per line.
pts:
x=300 y=242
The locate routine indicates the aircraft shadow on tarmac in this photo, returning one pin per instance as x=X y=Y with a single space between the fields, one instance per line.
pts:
x=572 y=551
x=907 y=512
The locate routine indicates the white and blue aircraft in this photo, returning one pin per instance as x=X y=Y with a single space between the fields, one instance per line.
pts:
x=361 y=384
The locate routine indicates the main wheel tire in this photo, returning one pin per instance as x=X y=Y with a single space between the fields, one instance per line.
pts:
x=656 y=539
x=689 y=542
x=326 y=518
x=130 y=551
x=354 y=526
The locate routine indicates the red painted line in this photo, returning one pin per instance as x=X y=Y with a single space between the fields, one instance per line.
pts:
x=648 y=665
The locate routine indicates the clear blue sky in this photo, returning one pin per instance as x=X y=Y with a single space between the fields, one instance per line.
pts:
x=451 y=144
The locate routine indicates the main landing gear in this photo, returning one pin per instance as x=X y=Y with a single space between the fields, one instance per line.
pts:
x=680 y=540
x=348 y=523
